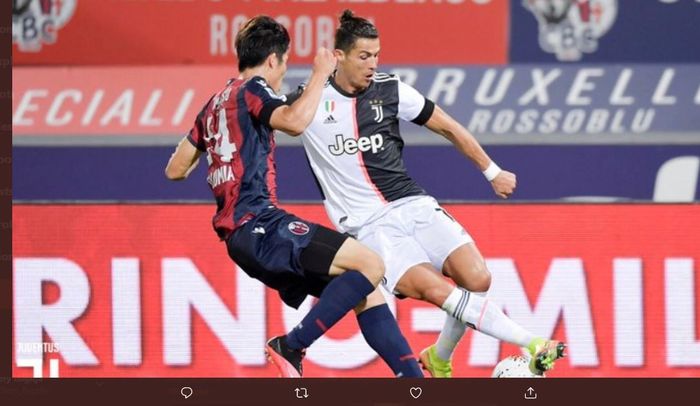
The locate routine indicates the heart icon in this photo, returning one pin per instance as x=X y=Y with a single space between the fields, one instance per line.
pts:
x=416 y=392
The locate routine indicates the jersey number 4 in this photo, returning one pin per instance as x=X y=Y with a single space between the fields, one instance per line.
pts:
x=223 y=147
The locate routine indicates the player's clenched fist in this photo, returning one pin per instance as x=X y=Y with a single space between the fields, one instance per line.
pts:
x=324 y=62
x=504 y=184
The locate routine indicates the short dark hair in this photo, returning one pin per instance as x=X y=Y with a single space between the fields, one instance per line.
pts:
x=351 y=28
x=257 y=39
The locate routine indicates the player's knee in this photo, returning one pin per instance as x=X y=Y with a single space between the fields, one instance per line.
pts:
x=475 y=277
x=373 y=299
x=372 y=266
x=481 y=281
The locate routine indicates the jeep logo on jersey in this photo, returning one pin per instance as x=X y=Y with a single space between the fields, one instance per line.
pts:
x=36 y=22
x=569 y=28
x=350 y=145
x=298 y=228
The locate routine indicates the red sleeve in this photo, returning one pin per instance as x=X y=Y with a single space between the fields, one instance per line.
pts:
x=196 y=135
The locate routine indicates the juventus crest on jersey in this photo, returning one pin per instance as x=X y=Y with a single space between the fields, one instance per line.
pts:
x=354 y=147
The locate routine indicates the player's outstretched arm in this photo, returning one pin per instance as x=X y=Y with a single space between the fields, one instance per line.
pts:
x=503 y=182
x=183 y=161
x=294 y=119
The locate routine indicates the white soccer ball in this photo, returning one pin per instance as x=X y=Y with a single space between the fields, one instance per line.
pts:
x=514 y=366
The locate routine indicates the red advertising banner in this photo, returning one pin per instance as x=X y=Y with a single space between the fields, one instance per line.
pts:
x=110 y=32
x=148 y=290
x=103 y=101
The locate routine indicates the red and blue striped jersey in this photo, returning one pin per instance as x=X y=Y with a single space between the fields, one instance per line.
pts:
x=234 y=130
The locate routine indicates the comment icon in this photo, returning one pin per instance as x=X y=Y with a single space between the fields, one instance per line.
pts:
x=186 y=392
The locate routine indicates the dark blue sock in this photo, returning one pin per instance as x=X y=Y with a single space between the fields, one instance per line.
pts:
x=338 y=298
x=382 y=333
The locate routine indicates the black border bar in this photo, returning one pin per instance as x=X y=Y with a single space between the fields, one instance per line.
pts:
x=354 y=392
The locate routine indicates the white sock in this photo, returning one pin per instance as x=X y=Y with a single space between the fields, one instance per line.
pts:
x=451 y=333
x=480 y=314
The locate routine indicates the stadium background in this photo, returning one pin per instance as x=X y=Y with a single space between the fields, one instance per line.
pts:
x=600 y=119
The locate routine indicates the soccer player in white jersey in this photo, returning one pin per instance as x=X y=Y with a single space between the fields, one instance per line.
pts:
x=355 y=150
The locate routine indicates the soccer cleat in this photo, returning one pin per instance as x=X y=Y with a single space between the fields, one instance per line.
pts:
x=436 y=366
x=544 y=353
x=287 y=360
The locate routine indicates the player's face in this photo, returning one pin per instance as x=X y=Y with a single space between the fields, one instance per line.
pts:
x=278 y=71
x=358 y=65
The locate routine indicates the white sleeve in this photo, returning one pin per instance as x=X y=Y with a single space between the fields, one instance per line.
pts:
x=411 y=102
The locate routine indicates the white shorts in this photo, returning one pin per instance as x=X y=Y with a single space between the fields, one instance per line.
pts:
x=412 y=231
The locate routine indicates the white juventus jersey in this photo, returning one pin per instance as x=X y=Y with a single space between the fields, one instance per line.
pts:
x=354 y=148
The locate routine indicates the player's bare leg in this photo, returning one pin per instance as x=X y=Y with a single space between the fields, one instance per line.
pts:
x=466 y=266
x=372 y=300
x=422 y=282
x=352 y=255
x=470 y=309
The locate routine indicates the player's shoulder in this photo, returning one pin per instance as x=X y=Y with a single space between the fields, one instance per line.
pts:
x=258 y=85
x=256 y=81
x=383 y=77
x=385 y=86
x=385 y=83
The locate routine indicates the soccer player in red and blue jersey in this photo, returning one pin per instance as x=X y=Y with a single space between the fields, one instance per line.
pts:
x=291 y=255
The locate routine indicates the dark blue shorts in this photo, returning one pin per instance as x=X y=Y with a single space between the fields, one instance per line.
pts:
x=286 y=253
